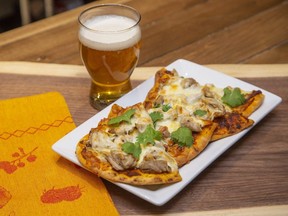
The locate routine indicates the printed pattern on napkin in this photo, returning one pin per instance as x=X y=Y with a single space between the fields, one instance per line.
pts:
x=34 y=180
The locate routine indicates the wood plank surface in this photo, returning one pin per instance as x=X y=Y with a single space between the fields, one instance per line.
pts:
x=249 y=179
x=245 y=44
x=279 y=210
x=206 y=32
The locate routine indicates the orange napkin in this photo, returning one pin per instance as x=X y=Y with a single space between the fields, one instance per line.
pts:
x=34 y=180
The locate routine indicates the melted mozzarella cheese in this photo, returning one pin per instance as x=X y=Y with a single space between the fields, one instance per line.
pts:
x=141 y=119
x=101 y=141
x=218 y=91
x=175 y=94
x=169 y=119
x=172 y=125
x=138 y=121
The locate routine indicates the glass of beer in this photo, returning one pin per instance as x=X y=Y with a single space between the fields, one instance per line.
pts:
x=110 y=38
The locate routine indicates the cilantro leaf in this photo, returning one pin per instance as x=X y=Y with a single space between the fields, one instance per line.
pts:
x=183 y=136
x=233 y=98
x=156 y=116
x=131 y=148
x=149 y=136
x=166 y=107
x=124 y=117
x=200 y=112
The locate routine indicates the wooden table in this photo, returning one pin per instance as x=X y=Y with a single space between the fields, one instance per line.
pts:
x=251 y=177
x=248 y=179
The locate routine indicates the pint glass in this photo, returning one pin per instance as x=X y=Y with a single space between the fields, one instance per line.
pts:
x=110 y=38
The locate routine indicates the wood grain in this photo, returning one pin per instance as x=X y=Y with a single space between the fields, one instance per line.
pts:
x=241 y=44
x=206 y=32
x=279 y=210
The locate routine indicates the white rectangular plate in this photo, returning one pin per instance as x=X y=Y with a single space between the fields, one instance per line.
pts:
x=159 y=195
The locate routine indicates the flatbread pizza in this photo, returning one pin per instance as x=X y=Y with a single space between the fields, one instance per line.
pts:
x=147 y=143
x=126 y=148
x=228 y=107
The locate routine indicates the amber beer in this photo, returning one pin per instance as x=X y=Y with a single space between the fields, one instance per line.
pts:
x=109 y=48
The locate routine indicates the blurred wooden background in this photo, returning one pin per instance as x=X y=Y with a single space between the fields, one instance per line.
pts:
x=205 y=32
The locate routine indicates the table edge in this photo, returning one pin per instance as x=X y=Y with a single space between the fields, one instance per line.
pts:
x=140 y=73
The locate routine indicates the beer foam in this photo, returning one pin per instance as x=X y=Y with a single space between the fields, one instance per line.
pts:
x=109 y=32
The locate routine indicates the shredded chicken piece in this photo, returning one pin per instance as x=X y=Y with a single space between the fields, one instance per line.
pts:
x=188 y=82
x=207 y=92
x=120 y=160
x=154 y=161
x=156 y=166
x=214 y=106
x=189 y=122
x=165 y=132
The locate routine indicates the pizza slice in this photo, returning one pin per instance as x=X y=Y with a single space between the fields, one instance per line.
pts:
x=228 y=107
x=237 y=106
x=185 y=133
x=126 y=148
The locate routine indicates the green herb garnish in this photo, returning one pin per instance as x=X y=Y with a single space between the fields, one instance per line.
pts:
x=124 y=117
x=132 y=148
x=233 y=98
x=166 y=107
x=156 y=116
x=183 y=137
x=200 y=112
x=149 y=136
